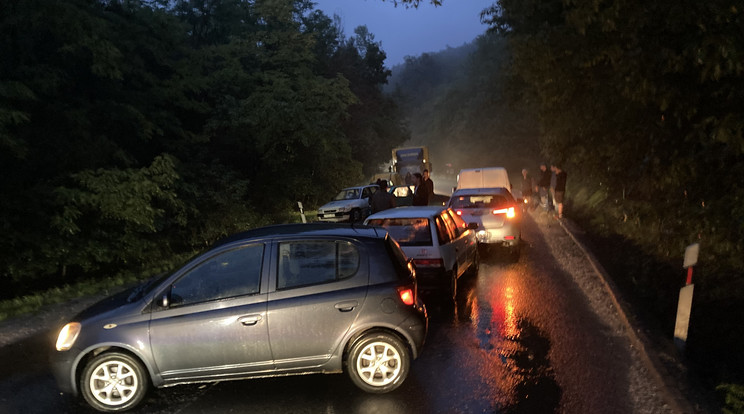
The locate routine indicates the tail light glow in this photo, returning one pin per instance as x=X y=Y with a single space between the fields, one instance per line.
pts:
x=428 y=262
x=458 y=212
x=510 y=212
x=406 y=295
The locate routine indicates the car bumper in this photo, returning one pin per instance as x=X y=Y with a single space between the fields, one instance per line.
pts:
x=62 y=365
x=334 y=217
x=433 y=279
x=505 y=236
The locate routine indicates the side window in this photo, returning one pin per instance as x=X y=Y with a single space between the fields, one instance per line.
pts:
x=229 y=274
x=314 y=262
x=459 y=222
x=367 y=192
x=452 y=229
x=442 y=232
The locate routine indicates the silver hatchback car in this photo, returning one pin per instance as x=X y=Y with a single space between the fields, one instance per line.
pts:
x=279 y=300
x=494 y=213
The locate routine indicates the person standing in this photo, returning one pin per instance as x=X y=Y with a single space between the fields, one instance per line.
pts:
x=420 y=193
x=544 y=184
x=429 y=185
x=560 y=189
x=381 y=199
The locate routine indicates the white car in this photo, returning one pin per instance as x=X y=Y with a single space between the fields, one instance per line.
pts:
x=350 y=204
x=442 y=246
x=494 y=213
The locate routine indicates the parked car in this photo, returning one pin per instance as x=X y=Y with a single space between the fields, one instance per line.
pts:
x=350 y=204
x=441 y=245
x=279 y=300
x=495 y=214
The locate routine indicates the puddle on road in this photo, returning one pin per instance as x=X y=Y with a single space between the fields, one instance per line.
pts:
x=517 y=351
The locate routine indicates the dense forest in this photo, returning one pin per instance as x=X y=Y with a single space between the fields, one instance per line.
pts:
x=135 y=132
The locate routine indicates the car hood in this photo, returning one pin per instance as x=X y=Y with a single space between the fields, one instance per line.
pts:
x=338 y=204
x=106 y=305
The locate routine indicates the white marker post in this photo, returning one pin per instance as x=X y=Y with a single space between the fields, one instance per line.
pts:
x=302 y=212
x=684 y=306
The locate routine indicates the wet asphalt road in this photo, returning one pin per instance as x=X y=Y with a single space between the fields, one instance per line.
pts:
x=522 y=339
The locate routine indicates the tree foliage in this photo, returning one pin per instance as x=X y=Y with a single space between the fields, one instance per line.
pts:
x=134 y=131
x=642 y=103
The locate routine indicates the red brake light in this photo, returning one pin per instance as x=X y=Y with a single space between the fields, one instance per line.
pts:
x=428 y=262
x=406 y=295
x=510 y=212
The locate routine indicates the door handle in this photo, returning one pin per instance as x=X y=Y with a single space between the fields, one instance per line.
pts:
x=249 y=320
x=347 y=306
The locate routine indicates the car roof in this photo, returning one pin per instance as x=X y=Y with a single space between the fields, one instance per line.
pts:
x=408 y=212
x=492 y=190
x=306 y=229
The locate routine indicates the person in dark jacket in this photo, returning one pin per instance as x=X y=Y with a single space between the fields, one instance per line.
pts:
x=381 y=199
x=544 y=184
x=421 y=193
x=429 y=185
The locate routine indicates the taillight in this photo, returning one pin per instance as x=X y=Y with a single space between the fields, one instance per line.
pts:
x=428 y=262
x=510 y=212
x=406 y=295
x=458 y=212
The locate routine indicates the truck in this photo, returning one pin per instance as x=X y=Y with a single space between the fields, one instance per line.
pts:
x=411 y=160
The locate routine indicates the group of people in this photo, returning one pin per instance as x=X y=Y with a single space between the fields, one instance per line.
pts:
x=550 y=187
x=422 y=193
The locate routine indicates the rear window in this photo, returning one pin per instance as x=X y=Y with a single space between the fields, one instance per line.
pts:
x=480 y=201
x=406 y=231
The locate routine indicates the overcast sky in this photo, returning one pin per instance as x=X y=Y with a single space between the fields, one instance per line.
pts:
x=405 y=32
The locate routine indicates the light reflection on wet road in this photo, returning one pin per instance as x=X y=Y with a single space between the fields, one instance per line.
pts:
x=521 y=340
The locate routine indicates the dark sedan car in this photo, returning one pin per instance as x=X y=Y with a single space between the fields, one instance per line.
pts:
x=289 y=299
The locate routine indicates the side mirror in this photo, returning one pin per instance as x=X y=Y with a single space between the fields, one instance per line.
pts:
x=164 y=302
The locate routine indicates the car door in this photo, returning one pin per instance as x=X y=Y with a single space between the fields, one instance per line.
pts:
x=447 y=248
x=214 y=322
x=319 y=287
x=463 y=245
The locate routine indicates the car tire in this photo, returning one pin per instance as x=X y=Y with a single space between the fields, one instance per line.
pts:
x=378 y=362
x=113 y=382
x=451 y=297
x=475 y=266
x=355 y=216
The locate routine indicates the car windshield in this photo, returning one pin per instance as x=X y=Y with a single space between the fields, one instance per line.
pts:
x=480 y=201
x=347 y=194
x=145 y=287
x=406 y=231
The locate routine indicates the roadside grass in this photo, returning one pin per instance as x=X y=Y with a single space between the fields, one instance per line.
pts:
x=33 y=302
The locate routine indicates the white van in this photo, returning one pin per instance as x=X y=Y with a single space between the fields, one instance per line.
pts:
x=490 y=177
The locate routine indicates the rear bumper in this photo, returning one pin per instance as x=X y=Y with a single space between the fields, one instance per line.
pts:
x=505 y=236
x=437 y=278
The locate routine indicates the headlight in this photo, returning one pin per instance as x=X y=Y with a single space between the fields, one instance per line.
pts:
x=344 y=209
x=67 y=336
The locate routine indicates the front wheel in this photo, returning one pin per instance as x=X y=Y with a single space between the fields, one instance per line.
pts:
x=114 y=382
x=378 y=363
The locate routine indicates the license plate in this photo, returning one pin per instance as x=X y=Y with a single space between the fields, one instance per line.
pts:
x=329 y=215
